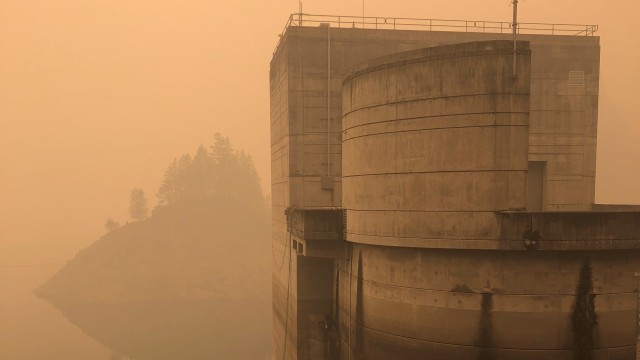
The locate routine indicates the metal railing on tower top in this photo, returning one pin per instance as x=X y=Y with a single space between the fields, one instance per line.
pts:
x=392 y=23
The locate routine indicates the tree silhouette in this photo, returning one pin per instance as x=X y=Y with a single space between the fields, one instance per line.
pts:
x=220 y=173
x=138 y=209
x=111 y=225
x=168 y=191
x=200 y=174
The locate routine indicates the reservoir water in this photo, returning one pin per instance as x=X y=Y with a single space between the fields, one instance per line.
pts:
x=31 y=328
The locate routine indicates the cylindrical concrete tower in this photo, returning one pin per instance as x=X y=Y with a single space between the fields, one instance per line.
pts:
x=434 y=142
x=435 y=159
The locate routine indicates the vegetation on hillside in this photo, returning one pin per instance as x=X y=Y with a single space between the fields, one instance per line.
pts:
x=209 y=204
x=138 y=208
x=192 y=280
x=220 y=172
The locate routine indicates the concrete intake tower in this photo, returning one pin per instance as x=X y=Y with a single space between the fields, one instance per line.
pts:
x=433 y=190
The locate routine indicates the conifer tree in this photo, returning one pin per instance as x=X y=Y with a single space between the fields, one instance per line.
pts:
x=138 y=209
x=168 y=192
x=220 y=173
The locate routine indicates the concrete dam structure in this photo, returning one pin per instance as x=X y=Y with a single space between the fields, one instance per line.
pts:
x=433 y=196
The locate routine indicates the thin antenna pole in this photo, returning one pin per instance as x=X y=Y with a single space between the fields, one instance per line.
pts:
x=515 y=32
x=300 y=12
x=328 y=100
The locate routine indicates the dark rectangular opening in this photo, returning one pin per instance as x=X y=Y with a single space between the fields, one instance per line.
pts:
x=535 y=185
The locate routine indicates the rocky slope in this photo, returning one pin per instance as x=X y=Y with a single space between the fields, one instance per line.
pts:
x=191 y=282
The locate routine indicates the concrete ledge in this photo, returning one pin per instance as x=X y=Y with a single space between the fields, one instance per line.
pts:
x=572 y=230
x=514 y=231
x=318 y=232
x=615 y=208
x=316 y=224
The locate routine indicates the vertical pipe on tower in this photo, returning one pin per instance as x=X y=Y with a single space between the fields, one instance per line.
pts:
x=515 y=30
x=328 y=100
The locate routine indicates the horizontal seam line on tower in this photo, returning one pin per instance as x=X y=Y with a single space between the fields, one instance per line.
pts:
x=429 y=129
x=510 y=240
x=354 y=276
x=397 y=120
x=426 y=239
x=432 y=98
x=435 y=172
x=429 y=211
x=558 y=110
x=479 y=346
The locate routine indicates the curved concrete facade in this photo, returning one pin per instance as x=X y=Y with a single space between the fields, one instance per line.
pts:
x=410 y=303
x=410 y=229
x=434 y=142
x=435 y=147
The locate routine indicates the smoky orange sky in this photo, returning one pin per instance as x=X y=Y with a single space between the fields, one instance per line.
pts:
x=98 y=96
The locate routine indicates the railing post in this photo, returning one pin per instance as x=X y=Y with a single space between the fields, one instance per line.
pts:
x=297 y=19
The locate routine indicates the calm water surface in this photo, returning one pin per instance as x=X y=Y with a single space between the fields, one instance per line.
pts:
x=31 y=329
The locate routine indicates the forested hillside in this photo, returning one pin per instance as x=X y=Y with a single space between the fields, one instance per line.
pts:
x=192 y=281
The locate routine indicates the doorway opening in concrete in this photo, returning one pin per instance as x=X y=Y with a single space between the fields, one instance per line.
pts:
x=536 y=185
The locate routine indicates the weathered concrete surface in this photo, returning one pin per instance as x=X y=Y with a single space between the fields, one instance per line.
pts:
x=504 y=231
x=562 y=130
x=464 y=304
x=319 y=233
x=435 y=141
x=570 y=230
x=284 y=284
x=563 y=113
x=615 y=208
x=435 y=155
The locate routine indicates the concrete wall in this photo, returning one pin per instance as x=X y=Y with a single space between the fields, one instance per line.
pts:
x=564 y=120
x=404 y=303
x=284 y=280
x=563 y=124
x=315 y=301
x=304 y=95
x=434 y=141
